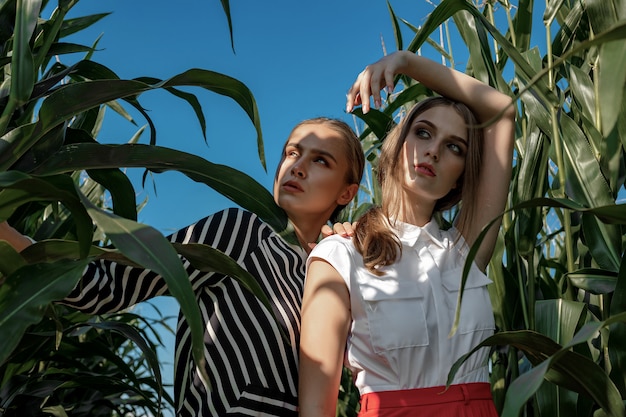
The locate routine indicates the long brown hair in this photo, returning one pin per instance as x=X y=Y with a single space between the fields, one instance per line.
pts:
x=352 y=149
x=374 y=239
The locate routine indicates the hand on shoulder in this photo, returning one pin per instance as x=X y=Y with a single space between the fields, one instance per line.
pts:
x=345 y=229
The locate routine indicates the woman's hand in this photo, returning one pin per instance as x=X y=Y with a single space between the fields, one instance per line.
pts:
x=345 y=229
x=374 y=78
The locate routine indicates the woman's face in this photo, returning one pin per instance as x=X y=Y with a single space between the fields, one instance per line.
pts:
x=311 y=179
x=434 y=153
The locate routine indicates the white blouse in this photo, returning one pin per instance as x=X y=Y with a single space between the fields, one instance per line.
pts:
x=399 y=336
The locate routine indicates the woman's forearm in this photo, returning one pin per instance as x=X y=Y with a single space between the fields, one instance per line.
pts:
x=18 y=241
x=485 y=101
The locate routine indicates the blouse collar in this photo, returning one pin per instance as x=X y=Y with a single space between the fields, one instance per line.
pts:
x=411 y=235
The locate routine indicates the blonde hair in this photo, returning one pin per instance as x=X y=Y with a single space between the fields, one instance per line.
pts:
x=374 y=239
x=352 y=150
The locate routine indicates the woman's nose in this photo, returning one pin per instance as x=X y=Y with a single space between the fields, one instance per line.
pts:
x=433 y=152
x=297 y=170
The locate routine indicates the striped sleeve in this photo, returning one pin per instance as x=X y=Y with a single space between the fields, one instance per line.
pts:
x=108 y=286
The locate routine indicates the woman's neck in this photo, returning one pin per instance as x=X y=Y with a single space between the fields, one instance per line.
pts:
x=307 y=232
x=415 y=213
x=307 y=238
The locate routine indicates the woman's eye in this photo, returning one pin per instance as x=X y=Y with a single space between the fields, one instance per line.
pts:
x=422 y=133
x=321 y=161
x=455 y=148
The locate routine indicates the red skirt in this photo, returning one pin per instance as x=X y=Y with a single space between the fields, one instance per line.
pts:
x=463 y=400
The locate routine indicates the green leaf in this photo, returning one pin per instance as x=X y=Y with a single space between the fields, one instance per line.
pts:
x=532 y=181
x=555 y=363
x=596 y=281
x=439 y=48
x=552 y=7
x=121 y=190
x=445 y=10
x=612 y=74
x=130 y=333
x=22 y=65
x=480 y=64
x=408 y=96
x=21 y=188
x=448 y=8
x=616 y=32
x=226 y=86
x=71 y=26
x=504 y=294
x=604 y=242
x=89 y=71
x=604 y=13
x=62 y=48
x=583 y=91
x=233 y=184
x=75 y=98
x=559 y=319
x=27 y=292
x=149 y=248
x=586 y=183
x=10 y=260
x=376 y=120
x=523 y=24
x=572 y=28
x=396 y=27
x=53 y=250
x=226 y=7
x=583 y=171
x=609 y=214
x=617 y=338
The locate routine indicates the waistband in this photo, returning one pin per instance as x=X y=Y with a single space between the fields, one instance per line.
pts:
x=426 y=396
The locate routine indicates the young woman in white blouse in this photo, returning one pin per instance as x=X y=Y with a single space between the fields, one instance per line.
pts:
x=383 y=303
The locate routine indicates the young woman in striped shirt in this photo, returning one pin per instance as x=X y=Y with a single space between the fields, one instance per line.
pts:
x=252 y=368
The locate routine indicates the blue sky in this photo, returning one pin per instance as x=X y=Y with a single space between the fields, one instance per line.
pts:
x=297 y=58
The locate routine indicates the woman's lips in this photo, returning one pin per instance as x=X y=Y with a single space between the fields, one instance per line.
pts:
x=292 y=186
x=425 y=169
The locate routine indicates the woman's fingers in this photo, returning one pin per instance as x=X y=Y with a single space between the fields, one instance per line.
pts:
x=359 y=93
x=345 y=229
x=375 y=85
x=369 y=83
x=327 y=231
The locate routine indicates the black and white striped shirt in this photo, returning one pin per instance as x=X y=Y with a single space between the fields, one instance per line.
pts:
x=251 y=367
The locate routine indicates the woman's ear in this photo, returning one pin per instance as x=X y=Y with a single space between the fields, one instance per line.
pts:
x=348 y=194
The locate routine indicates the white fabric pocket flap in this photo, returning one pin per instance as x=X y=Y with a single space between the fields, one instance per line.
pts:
x=380 y=290
x=452 y=279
